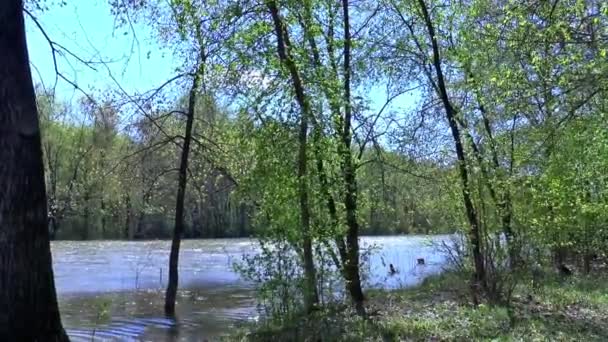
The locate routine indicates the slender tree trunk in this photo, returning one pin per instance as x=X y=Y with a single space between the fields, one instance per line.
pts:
x=283 y=49
x=52 y=219
x=52 y=197
x=503 y=199
x=128 y=230
x=178 y=230
x=329 y=200
x=138 y=233
x=52 y=226
x=309 y=266
x=587 y=257
x=350 y=273
x=28 y=302
x=103 y=218
x=479 y=276
x=243 y=220
x=351 y=267
x=86 y=215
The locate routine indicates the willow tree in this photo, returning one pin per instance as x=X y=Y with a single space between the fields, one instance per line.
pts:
x=28 y=302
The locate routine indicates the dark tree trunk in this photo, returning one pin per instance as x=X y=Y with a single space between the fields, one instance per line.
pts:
x=52 y=218
x=351 y=266
x=103 y=219
x=283 y=49
x=28 y=303
x=128 y=230
x=178 y=230
x=86 y=216
x=242 y=212
x=329 y=200
x=309 y=267
x=139 y=226
x=503 y=199
x=587 y=257
x=52 y=226
x=479 y=277
x=350 y=273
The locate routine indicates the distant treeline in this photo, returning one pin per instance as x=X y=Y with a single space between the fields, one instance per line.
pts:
x=109 y=180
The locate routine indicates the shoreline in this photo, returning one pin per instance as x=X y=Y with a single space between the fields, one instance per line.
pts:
x=439 y=309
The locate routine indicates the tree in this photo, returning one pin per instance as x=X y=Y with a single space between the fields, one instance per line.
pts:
x=178 y=230
x=283 y=50
x=28 y=302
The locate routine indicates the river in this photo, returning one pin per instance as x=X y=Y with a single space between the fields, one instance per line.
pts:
x=114 y=290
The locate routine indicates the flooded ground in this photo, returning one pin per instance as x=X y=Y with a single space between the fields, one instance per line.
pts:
x=114 y=290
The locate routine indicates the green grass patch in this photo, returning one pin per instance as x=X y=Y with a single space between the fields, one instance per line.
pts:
x=570 y=309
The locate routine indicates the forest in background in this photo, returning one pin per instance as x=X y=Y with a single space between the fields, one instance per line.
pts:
x=273 y=127
x=308 y=124
x=109 y=177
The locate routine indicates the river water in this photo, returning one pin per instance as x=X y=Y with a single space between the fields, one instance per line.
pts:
x=114 y=290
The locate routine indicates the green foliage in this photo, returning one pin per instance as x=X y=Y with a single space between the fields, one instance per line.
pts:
x=106 y=182
x=439 y=311
x=463 y=324
x=526 y=83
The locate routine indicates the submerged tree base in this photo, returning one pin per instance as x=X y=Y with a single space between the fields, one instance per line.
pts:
x=568 y=309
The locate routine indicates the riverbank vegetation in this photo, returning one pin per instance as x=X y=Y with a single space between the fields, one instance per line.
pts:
x=306 y=124
x=88 y=152
x=440 y=309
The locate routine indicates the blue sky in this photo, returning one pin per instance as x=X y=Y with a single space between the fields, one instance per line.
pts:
x=87 y=28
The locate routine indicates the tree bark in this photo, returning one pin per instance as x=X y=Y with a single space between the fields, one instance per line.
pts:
x=283 y=46
x=351 y=267
x=503 y=199
x=128 y=213
x=103 y=218
x=86 y=215
x=178 y=230
x=350 y=274
x=28 y=302
x=479 y=277
x=329 y=200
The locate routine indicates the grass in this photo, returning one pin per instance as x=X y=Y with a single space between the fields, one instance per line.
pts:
x=571 y=309
x=574 y=309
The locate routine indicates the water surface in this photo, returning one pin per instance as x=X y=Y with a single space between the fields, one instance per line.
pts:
x=114 y=290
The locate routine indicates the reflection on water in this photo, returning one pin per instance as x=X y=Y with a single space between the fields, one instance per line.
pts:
x=114 y=290
x=137 y=315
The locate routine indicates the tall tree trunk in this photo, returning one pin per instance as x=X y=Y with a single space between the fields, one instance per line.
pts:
x=28 y=302
x=283 y=49
x=86 y=215
x=503 y=198
x=309 y=266
x=52 y=226
x=329 y=200
x=351 y=267
x=479 y=276
x=178 y=230
x=242 y=212
x=103 y=218
x=351 y=278
x=52 y=219
x=128 y=213
x=52 y=197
